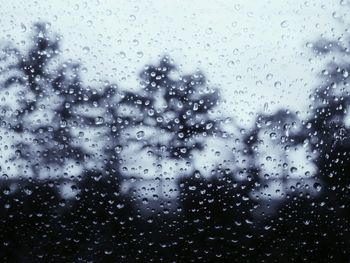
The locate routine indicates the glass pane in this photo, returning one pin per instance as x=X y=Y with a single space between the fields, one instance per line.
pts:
x=174 y=131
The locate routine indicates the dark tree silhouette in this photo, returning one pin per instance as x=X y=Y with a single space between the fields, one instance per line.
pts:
x=217 y=218
x=312 y=226
x=43 y=117
x=179 y=109
x=47 y=127
x=28 y=229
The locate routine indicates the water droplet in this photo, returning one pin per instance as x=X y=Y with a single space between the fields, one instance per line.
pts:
x=139 y=54
x=318 y=187
x=132 y=18
x=277 y=84
x=266 y=106
x=23 y=28
x=273 y=135
x=118 y=149
x=99 y=120
x=86 y=50
x=140 y=135
x=269 y=76
x=284 y=24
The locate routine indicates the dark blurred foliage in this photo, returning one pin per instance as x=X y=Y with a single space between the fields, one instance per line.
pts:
x=40 y=84
x=48 y=215
x=217 y=221
x=178 y=108
x=315 y=228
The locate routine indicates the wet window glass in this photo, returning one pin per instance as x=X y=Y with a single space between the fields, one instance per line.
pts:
x=174 y=131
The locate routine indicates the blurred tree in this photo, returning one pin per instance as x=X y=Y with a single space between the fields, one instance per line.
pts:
x=217 y=218
x=41 y=119
x=29 y=229
x=178 y=110
x=312 y=225
x=68 y=138
x=268 y=150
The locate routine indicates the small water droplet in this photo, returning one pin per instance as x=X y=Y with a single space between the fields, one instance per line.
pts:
x=318 y=187
x=99 y=120
x=86 y=50
x=140 y=135
x=284 y=24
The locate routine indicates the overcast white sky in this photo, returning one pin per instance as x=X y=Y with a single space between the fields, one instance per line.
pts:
x=253 y=50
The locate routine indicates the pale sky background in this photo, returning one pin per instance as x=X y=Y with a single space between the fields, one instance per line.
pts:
x=254 y=51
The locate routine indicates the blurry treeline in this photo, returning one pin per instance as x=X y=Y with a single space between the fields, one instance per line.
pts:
x=65 y=149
